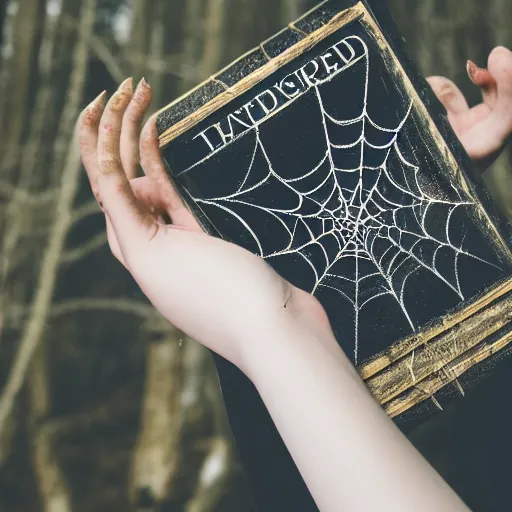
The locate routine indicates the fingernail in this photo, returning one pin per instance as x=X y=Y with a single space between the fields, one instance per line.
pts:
x=92 y=112
x=127 y=85
x=141 y=87
x=98 y=100
x=122 y=96
x=472 y=69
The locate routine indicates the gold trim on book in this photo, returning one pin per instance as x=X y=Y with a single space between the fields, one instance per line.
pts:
x=341 y=19
x=445 y=352
x=449 y=374
x=405 y=347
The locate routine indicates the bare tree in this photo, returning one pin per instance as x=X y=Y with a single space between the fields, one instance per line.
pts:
x=155 y=430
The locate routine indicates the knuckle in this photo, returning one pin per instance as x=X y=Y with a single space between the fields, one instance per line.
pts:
x=110 y=164
x=85 y=145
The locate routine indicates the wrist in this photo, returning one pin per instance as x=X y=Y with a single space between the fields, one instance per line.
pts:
x=301 y=330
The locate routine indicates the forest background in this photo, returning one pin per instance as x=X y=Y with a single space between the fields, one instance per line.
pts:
x=104 y=407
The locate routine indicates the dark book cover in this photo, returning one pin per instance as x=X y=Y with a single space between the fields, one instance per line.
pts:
x=326 y=153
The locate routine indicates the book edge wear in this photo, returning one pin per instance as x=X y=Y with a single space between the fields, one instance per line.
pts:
x=415 y=369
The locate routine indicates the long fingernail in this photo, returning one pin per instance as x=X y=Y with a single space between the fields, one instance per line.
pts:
x=142 y=86
x=122 y=96
x=141 y=91
x=127 y=85
x=472 y=69
x=99 y=99
x=93 y=110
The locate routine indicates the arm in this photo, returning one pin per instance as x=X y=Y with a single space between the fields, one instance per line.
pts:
x=350 y=454
x=235 y=304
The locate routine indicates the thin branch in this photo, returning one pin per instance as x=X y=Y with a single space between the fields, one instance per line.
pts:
x=15 y=315
x=14 y=193
x=111 y=410
x=125 y=306
x=80 y=252
x=168 y=65
x=100 y=49
x=86 y=210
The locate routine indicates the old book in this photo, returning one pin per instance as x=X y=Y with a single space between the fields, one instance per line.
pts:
x=325 y=152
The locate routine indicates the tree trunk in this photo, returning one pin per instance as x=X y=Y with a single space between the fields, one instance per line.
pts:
x=192 y=45
x=140 y=39
x=53 y=490
x=157 y=453
x=27 y=27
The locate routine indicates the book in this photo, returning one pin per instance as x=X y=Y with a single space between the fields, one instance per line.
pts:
x=326 y=153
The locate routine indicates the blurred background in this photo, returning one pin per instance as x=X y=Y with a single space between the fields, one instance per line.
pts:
x=103 y=406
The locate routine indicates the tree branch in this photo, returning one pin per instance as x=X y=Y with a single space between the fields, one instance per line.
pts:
x=15 y=315
x=85 y=210
x=14 y=193
x=53 y=489
x=130 y=307
x=80 y=252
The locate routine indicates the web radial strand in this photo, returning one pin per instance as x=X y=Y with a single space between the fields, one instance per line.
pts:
x=364 y=220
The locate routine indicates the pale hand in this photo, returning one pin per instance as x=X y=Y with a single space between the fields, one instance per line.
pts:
x=223 y=296
x=484 y=129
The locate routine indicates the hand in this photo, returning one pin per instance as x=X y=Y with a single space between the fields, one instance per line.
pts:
x=214 y=291
x=485 y=128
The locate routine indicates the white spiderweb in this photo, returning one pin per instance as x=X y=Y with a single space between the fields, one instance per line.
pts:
x=363 y=231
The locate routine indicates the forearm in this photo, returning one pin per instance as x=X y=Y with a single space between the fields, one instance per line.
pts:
x=350 y=454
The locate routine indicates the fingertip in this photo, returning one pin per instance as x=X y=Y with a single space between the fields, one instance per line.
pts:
x=500 y=51
x=127 y=85
x=438 y=82
x=92 y=113
x=139 y=102
x=444 y=88
x=500 y=65
x=121 y=98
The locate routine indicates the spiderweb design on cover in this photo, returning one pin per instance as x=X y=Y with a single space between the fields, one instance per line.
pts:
x=348 y=206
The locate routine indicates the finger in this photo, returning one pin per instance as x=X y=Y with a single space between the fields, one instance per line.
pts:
x=130 y=131
x=154 y=167
x=449 y=95
x=483 y=78
x=129 y=219
x=88 y=138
